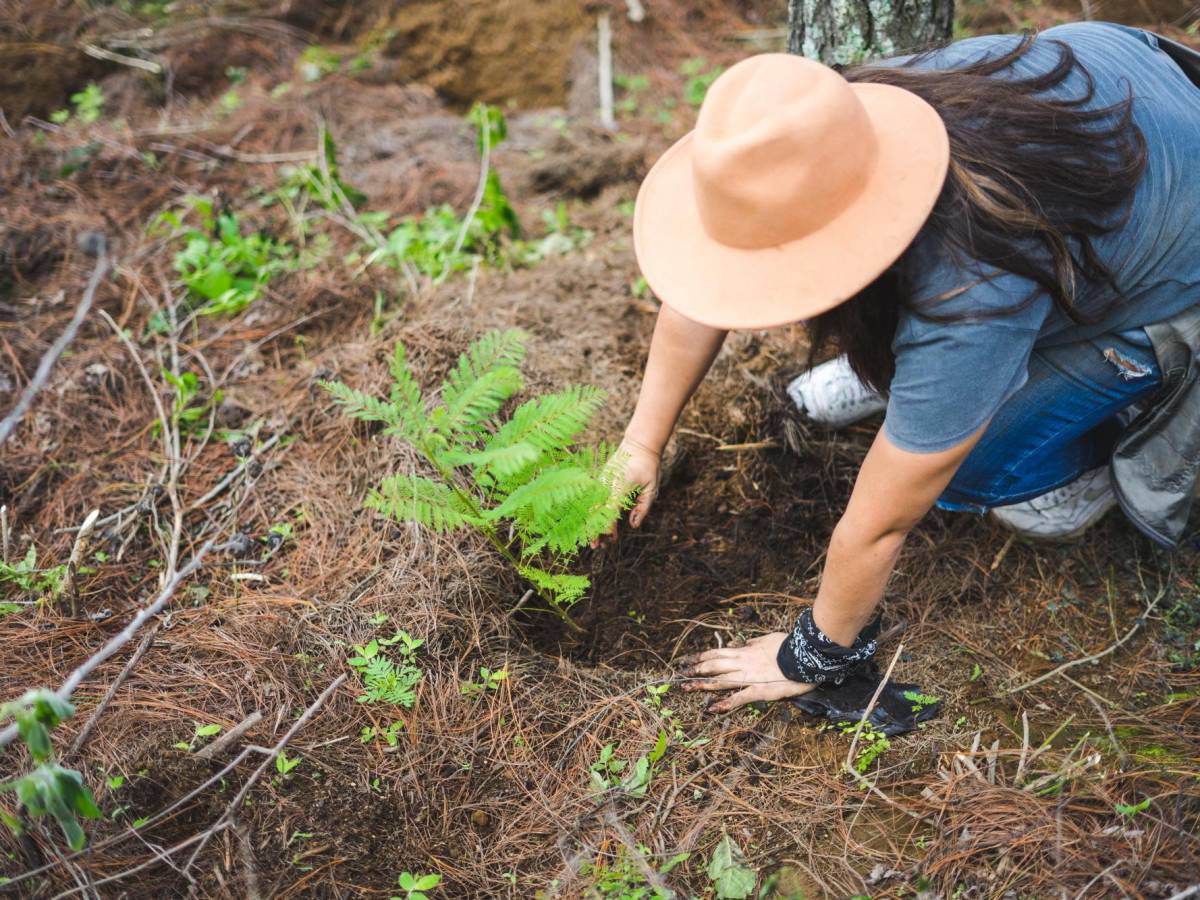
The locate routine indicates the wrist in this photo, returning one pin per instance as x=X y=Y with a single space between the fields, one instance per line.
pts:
x=648 y=446
x=809 y=656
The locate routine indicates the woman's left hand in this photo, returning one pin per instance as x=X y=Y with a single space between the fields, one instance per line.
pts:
x=752 y=669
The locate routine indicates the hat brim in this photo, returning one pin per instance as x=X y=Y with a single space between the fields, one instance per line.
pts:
x=731 y=288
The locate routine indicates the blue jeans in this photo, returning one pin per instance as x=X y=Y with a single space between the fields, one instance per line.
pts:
x=1059 y=424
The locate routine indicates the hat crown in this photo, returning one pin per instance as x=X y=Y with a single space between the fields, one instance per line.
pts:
x=781 y=147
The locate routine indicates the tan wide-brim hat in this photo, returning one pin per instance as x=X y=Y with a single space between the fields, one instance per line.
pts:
x=795 y=190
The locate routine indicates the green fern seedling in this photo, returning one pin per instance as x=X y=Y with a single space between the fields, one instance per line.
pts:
x=385 y=681
x=521 y=481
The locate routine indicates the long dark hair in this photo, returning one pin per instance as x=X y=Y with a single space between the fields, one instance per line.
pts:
x=1032 y=181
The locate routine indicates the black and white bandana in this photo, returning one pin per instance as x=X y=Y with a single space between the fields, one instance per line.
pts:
x=808 y=656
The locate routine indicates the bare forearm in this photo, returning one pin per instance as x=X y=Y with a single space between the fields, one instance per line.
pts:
x=681 y=353
x=857 y=569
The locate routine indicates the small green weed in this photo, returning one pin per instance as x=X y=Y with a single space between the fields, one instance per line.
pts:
x=731 y=878
x=415 y=886
x=698 y=79
x=1131 y=810
x=190 y=413
x=201 y=731
x=284 y=763
x=489 y=681
x=88 y=105
x=623 y=879
x=920 y=701
x=385 y=680
x=609 y=773
x=27 y=578
x=223 y=269
x=316 y=62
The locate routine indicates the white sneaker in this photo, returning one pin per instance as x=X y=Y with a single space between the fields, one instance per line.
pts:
x=832 y=395
x=1064 y=513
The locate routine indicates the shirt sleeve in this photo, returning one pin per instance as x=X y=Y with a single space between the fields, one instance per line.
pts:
x=952 y=377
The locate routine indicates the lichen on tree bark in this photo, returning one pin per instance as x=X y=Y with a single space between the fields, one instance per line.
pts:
x=851 y=31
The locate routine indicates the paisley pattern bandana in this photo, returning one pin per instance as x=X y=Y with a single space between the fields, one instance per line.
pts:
x=808 y=656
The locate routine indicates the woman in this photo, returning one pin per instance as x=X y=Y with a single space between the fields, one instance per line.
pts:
x=1001 y=238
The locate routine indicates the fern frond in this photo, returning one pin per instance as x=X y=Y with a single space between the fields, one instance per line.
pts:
x=386 y=682
x=552 y=488
x=501 y=462
x=566 y=529
x=563 y=588
x=550 y=422
x=359 y=405
x=406 y=393
x=487 y=374
x=411 y=498
x=467 y=405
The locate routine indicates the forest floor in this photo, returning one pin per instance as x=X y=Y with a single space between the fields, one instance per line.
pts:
x=1064 y=761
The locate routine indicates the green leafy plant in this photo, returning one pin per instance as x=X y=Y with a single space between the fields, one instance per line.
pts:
x=698 y=79
x=731 y=878
x=521 y=482
x=384 y=680
x=284 y=763
x=415 y=886
x=389 y=733
x=202 y=731
x=316 y=62
x=1132 y=809
x=48 y=788
x=489 y=681
x=920 y=701
x=224 y=269
x=439 y=243
x=190 y=413
x=29 y=579
x=610 y=773
x=322 y=185
x=88 y=104
x=621 y=878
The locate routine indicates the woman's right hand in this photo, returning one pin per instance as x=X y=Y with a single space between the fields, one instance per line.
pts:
x=636 y=466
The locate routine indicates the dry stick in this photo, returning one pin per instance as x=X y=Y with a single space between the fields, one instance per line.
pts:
x=871 y=706
x=228 y=817
x=86 y=731
x=9 y=423
x=9 y=734
x=1095 y=656
x=485 y=164
x=134 y=832
x=67 y=588
x=132 y=61
x=3 y=534
x=157 y=858
x=218 y=746
x=604 y=71
x=246 y=851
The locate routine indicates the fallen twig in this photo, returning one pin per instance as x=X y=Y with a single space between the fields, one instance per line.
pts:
x=86 y=731
x=1111 y=648
x=220 y=744
x=64 y=692
x=228 y=817
x=9 y=423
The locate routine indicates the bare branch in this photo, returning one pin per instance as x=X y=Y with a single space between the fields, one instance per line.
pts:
x=10 y=422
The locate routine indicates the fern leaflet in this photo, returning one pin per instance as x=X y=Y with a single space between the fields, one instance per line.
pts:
x=412 y=498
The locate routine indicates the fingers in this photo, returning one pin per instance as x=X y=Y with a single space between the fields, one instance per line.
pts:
x=692 y=659
x=641 y=508
x=715 y=666
x=738 y=699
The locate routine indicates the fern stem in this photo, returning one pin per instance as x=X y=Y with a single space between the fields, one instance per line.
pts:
x=494 y=539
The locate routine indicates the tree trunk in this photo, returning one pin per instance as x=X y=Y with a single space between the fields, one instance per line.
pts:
x=852 y=31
